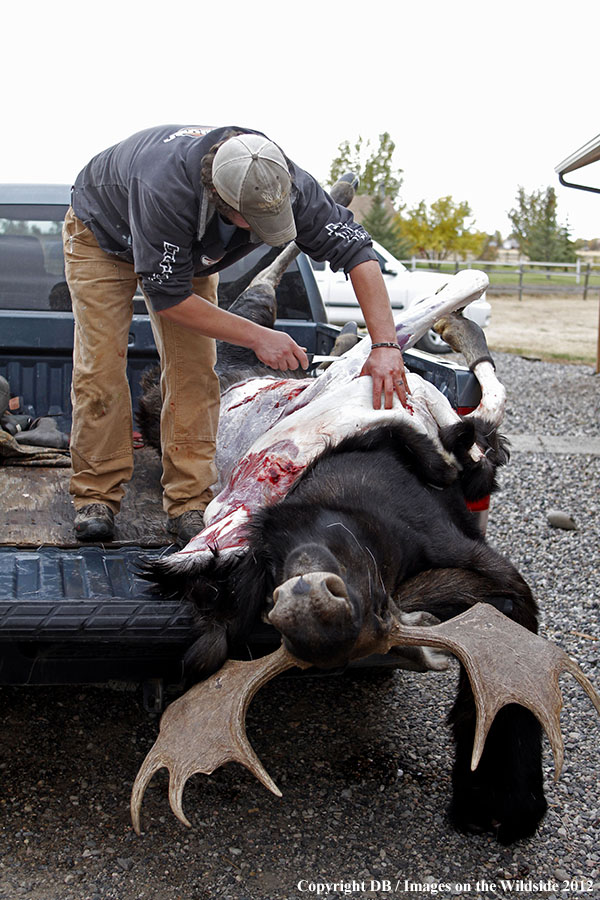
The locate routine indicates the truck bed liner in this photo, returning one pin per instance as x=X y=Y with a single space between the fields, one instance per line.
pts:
x=91 y=593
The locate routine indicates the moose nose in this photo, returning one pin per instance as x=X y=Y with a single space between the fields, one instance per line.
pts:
x=318 y=587
x=335 y=587
x=316 y=618
x=314 y=595
x=323 y=584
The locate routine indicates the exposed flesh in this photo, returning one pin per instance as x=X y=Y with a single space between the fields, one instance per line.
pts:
x=271 y=429
x=265 y=473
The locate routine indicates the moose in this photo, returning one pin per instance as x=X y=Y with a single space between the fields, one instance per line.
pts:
x=347 y=529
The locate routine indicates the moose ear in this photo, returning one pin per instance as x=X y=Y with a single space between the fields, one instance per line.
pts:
x=458 y=438
x=227 y=597
x=495 y=446
x=477 y=478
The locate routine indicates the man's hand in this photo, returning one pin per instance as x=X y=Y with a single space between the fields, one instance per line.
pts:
x=279 y=351
x=274 y=348
x=384 y=364
x=386 y=367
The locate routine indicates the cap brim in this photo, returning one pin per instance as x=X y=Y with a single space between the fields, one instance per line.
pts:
x=274 y=230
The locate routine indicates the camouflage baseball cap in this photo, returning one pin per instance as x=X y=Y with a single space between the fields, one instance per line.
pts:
x=250 y=174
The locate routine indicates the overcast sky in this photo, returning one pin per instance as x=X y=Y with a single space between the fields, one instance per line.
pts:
x=479 y=97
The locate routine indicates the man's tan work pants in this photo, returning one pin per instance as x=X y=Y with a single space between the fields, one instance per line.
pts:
x=102 y=288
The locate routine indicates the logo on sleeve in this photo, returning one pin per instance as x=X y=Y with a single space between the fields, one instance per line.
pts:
x=166 y=263
x=192 y=131
x=347 y=231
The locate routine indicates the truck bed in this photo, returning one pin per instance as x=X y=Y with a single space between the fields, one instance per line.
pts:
x=40 y=512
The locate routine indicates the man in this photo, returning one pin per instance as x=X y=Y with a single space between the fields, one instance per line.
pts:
x=168 y=208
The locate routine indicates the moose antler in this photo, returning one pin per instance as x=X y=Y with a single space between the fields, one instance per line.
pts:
x=505 y=663
x=205 y=728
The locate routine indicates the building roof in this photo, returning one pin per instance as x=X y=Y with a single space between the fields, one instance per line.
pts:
x=362 y=203
x=587 y=154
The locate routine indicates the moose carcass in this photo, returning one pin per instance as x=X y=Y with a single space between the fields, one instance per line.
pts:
x=347 y=528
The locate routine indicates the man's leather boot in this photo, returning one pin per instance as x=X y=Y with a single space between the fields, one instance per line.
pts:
x=94 y=522
x=186 y=526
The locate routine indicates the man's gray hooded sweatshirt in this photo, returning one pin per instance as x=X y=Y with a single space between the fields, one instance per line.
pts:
x=145 y=202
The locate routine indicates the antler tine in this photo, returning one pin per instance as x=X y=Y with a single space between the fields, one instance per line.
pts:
x=505 y=663
x=569 y=665
x=147 y=771
x=205 y=728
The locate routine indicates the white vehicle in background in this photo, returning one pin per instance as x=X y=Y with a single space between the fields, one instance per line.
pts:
x=404 y=287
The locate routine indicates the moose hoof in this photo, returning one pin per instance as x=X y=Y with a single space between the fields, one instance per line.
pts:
x=481 y=812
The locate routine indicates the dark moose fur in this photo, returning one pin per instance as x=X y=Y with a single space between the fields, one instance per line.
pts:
x=391 y=515
x=385 y=512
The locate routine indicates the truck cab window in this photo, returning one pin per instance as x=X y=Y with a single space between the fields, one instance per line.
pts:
x=31 y=264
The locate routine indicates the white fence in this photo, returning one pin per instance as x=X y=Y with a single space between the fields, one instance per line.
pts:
x=523 y=276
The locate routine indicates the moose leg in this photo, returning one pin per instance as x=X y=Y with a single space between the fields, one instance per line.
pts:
x=504 y=794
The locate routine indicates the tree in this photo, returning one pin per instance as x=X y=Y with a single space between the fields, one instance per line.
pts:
x=490 y=246
x=373 y=167
x=381 y=181
x=383 y=227
x=441 y=230
x=536 y=230
x=19 y=226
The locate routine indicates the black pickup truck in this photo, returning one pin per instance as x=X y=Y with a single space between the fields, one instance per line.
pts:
x=74 y=613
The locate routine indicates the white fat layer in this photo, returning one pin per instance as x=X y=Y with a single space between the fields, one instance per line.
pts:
x=248 y=409
x=298 y=438
x=461 y=289
x=289 y=422
x=242 y=421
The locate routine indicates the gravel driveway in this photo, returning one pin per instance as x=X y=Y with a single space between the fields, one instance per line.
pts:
x=363 y=761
